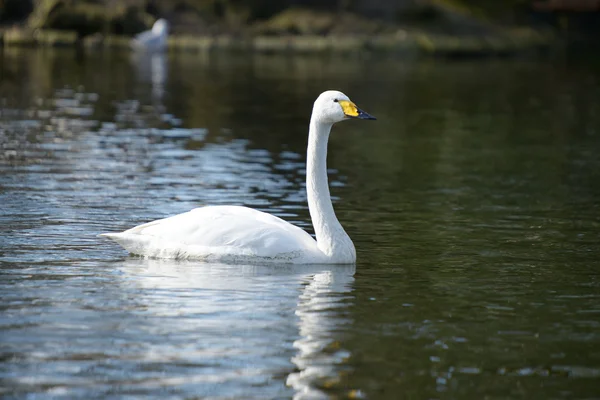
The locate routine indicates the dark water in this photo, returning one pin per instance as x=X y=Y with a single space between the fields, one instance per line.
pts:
x=473 y=202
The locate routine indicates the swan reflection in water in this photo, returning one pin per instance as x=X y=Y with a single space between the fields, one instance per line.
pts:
x=239 y=326
x=152 y=68
x=321 y=309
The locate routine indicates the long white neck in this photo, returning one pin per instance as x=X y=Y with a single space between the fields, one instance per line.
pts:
x=332 y=240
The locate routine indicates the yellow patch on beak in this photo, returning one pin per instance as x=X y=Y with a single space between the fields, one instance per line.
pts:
x=349 y=108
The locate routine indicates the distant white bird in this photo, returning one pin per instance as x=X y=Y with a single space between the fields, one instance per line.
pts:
x=241 y=234
x=154 y=39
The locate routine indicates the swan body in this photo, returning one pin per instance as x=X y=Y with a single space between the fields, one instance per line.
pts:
x=222 y=233
x=154 y=39
x=241 y=234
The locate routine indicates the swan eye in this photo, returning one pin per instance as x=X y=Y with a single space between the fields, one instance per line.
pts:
x=335 y=100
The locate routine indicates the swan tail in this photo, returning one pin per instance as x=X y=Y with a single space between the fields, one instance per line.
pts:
x=146 y=246
x=134 y=244
x=112 y=236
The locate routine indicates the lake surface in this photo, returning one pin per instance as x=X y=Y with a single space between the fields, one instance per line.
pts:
x=473 y=202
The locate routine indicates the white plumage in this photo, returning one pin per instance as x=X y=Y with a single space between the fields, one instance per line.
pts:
x=219 y=233
x=241 y=234
x=154 y=39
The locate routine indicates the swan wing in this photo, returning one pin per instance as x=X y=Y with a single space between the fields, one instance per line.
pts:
x=215 y=230
x=143 y=37
x=148 y=40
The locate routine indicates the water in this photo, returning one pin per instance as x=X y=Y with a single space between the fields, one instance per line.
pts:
x=473 y=202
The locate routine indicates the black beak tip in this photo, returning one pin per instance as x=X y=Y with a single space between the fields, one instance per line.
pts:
x=364 y=115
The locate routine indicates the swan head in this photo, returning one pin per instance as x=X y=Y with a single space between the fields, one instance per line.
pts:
x=160 y=27
x=333 y=106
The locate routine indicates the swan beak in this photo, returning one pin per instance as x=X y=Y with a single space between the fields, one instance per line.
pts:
x=352 y=111
x=364 y=115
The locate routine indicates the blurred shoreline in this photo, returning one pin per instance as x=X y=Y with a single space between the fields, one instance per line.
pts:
x=518 y=41
x=414 y=28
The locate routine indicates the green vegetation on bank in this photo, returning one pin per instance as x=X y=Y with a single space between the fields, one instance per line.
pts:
x=446 y=27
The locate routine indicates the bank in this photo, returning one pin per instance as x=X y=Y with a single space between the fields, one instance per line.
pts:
x=434 y=31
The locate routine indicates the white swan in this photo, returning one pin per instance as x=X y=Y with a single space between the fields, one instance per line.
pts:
x=154 y=39
x=241 y=234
